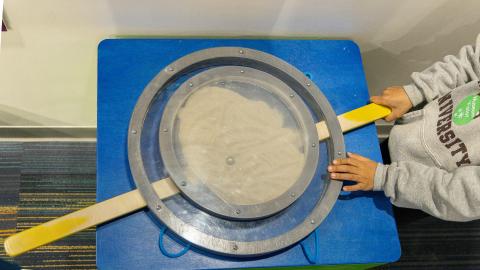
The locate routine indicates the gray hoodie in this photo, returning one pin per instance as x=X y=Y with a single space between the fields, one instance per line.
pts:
x=435 y=149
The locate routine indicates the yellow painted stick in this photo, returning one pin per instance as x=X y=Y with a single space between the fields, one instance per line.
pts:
x=85 y=218
x=354 y=119
x=133 y=200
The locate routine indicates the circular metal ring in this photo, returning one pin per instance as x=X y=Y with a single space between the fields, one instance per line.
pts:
x=201 y=195
x=297 y=81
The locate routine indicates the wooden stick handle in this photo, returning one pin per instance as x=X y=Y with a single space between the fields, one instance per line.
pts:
x=84 y=218
x=133 y=200
x=354 y=119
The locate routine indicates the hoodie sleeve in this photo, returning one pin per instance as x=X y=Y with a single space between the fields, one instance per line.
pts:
x=446 y=75
x=447 y=195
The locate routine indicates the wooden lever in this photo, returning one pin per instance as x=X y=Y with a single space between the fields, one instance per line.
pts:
x=133 y=200
x=84 y=218
x=354 y=119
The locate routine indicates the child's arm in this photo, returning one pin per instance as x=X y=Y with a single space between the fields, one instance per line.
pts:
x=449 y=196
x=433 y=82
x=444 y=76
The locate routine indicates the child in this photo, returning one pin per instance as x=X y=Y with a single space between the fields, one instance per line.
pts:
x=434 y=147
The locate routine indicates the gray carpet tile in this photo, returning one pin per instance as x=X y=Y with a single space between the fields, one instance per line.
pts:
x=431 y=243
x=59 y=158
x=52 y=179
x=10 y=162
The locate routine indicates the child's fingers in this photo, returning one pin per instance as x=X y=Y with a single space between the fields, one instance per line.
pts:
x=356 y=187
x=377 y=100
x=346 y=161
x=344 y=168
x=380 y=100
x=344 y=176
x=391 y=117
x=356 y=156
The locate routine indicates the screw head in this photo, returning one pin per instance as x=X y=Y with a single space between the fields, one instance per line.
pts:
x=134 y=131
x=242 y=71
x=314 y=145
x=230 y=160
x=241 y=52
x=292 y=95
x=170 y=69
x=308 y=84
x=312 y=221
x=292 y=195
x=183 y=183
x=190 y=84
x=159 y=207
x=234 y=247
x=237 y=211
x=165 y=129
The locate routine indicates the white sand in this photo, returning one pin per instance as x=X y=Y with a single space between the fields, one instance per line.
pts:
x=238 y=147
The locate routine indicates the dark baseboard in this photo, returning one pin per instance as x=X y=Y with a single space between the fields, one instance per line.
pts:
x=47 y=133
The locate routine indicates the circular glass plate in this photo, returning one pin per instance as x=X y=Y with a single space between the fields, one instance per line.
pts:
x=218 y=234
x=238 y=142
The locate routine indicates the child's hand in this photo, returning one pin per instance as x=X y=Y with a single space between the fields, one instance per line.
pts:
x=396 y=99
x=354 y=168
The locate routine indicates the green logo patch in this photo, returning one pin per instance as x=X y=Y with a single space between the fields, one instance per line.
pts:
x=466 y=110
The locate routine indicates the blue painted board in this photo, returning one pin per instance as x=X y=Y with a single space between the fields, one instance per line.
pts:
x=360 y=228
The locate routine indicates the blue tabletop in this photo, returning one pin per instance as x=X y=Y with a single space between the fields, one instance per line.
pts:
x=360 y=227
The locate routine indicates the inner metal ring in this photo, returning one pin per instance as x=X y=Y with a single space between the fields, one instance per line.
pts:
x=201 y=194
x=297 y=81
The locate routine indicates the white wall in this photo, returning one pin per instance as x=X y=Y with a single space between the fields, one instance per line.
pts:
x=48 y=58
